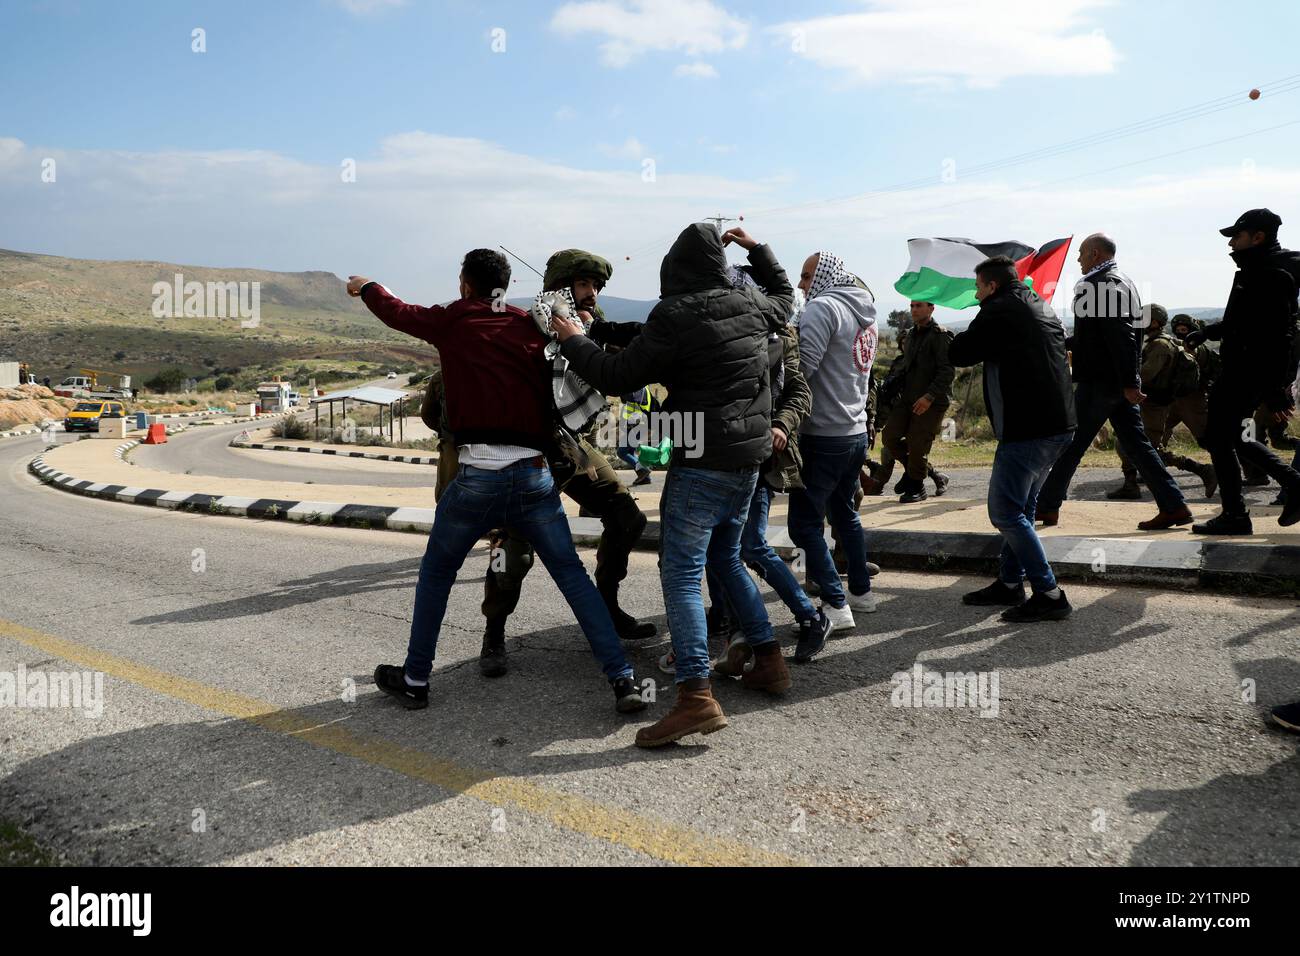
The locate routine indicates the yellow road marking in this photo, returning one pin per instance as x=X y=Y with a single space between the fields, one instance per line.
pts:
x=656 y=838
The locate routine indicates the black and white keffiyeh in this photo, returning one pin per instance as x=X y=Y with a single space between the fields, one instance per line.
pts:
x=830 y=273
x=576 y=402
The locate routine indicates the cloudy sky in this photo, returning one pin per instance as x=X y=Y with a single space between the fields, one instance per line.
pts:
x=611 y=124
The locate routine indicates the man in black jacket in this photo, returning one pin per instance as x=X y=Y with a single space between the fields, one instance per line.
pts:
x=1258 y=335
x=1107 y=346
x=1027 y=392
x=707 y=342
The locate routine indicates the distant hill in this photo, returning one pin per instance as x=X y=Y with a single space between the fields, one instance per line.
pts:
x=615 y=309
x=61 y=315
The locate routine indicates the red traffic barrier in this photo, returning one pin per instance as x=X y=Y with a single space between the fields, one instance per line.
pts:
x=157 y=434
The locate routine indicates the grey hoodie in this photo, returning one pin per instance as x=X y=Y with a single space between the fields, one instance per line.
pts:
x=837 y=344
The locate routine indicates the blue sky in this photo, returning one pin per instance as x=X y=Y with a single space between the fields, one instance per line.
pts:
x=232 y=157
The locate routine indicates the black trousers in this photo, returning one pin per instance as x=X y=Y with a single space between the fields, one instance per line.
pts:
x=1231 y=439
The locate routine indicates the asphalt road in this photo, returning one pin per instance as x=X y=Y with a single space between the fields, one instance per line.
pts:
x=239 y=725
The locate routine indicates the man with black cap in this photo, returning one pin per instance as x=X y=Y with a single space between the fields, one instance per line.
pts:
x=595 y=488
x=1258 y=335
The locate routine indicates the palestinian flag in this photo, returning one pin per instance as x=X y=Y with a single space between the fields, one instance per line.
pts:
x=942 y=271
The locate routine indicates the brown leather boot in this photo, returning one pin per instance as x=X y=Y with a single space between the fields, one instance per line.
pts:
x=769 y=672
x=1167 y=519
x=694 y=712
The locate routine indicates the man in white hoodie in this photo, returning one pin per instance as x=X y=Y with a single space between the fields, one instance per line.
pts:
x=837 y=344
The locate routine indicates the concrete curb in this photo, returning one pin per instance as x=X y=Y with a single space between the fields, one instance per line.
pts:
x=409 y=459
x=1153 y=561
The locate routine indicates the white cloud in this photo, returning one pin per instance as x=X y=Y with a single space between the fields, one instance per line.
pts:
x=700 y=69
x=631 y=148
x=631 y=28
x=980 y=42
x=565 y=113
x=419 y=202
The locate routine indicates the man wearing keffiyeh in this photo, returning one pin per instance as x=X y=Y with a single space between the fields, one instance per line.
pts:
x=837 y=344
x=573 y=281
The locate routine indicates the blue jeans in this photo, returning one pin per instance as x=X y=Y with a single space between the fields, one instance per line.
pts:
x=830 y=477
x=758 y=554
x=1020 y=468
x=522 y=497
x=1094 y=405
x=703 y=513
x=629 y=457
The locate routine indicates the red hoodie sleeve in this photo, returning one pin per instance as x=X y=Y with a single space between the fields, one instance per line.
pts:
x=423 y=322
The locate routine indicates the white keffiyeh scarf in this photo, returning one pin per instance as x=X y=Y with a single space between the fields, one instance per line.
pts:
x=576 y=402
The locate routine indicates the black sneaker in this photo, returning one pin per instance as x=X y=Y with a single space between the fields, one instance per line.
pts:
x=996 y=594
x=1225 y=524
x=392 y=681
x=492 y=658
x=1288 y=716
x=1290 y=508
x=913 y=496
x=1039 y=607
x=812 y=638
x=627 y=699
x=642 y=478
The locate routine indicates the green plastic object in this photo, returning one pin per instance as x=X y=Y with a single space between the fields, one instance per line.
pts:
x=659 y=454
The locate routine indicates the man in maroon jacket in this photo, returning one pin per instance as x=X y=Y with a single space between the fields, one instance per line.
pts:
x=499 y=406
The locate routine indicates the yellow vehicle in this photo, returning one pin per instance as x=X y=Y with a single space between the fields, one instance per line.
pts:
x=85 y=417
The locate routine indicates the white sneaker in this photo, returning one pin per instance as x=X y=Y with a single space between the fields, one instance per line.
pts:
x=865 y=603
x=841 y=618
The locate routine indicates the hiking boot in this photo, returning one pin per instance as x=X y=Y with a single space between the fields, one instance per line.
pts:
x=732 y=661
x=769 y=672
x=871 y=487
x=627 y=698
x=392 y=681
x=906 y=485
x=628 y=627
x=1048 y=518
x=996 y=594
x=1167 y=519
x=940 y=483
x=1039 y=607
x=1129 y=491
x=492 y=658
x=1288 y=716
x=1225 y=524
x=911 y=497
x=812 y=638
x=694 y=712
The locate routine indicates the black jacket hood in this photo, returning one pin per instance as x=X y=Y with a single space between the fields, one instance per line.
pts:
x=695 y=263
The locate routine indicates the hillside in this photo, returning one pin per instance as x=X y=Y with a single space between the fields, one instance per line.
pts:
x=60 y=315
